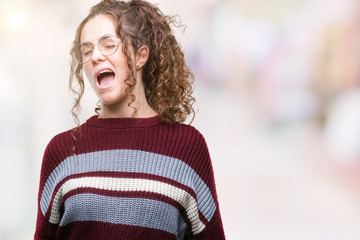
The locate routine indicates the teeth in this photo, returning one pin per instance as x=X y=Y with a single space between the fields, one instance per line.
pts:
x=105 y=71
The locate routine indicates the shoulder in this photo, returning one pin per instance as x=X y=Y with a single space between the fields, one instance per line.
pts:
x=60 y=139
x=188 y=144
x=189 y=130
x=59 y=147
x=57 y=150
x=189 y=134
x=65 y=139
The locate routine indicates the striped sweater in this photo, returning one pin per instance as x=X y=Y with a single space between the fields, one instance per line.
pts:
x=130 y=178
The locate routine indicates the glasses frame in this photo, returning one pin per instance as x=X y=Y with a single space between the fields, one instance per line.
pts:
x=92 y=47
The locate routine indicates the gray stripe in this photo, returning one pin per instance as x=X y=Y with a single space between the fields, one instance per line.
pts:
x=131 y=161
x=128 y=211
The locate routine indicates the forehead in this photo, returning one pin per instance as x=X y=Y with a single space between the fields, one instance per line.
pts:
x=97 y=27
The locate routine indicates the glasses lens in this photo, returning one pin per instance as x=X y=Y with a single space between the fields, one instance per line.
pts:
x=108 y=44
x=83 y=52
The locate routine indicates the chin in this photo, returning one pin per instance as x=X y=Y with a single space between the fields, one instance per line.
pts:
x=108 y=101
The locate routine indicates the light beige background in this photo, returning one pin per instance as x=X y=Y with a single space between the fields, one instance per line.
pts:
x=278 y=90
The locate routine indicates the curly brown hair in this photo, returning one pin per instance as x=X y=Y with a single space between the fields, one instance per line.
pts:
x=166 y=77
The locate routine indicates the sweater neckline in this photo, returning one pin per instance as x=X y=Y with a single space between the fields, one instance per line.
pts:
x=121 y=123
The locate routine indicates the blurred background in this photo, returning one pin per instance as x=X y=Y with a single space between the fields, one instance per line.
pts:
x=278 y=94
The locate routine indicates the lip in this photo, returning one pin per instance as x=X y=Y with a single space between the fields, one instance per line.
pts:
x=97 y=71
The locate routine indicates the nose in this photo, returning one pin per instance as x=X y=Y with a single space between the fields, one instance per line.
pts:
x=97 y=55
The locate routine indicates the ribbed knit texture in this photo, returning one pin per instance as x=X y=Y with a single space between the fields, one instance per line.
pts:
x=130 y=178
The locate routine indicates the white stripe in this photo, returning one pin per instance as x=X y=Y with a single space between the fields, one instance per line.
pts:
x=130 y=184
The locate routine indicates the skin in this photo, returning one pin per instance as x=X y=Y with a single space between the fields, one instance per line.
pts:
x=113 y=98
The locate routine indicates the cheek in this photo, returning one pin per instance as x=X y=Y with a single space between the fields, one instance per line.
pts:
x=88 y=74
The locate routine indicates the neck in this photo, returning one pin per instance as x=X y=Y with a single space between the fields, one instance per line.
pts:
x=136 y=109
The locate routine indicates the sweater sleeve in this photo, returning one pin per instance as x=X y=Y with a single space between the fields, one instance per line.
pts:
x=213 y=231
x=45 y=229
x=213 y=228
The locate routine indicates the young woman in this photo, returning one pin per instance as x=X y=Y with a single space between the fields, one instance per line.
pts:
x=135 y=170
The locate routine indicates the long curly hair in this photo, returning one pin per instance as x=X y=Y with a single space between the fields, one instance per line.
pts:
x=166 y=77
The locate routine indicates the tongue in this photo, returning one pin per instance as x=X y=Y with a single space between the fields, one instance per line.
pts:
x=107 y=80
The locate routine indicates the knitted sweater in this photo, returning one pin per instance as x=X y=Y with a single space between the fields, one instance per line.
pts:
x=130 y=178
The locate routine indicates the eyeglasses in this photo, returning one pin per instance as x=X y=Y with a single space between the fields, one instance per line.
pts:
x=107 y=45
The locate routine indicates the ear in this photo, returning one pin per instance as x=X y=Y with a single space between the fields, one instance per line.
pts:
x=142 y=55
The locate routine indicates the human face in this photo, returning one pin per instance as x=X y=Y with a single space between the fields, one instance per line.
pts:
x=109 y=87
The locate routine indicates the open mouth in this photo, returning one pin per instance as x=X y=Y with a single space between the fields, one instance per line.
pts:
x=105 y=78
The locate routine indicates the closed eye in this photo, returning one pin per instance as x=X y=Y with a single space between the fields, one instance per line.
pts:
x=110 y=46
x=87 y=53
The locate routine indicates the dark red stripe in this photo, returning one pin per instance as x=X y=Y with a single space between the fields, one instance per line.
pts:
x=101 y=231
